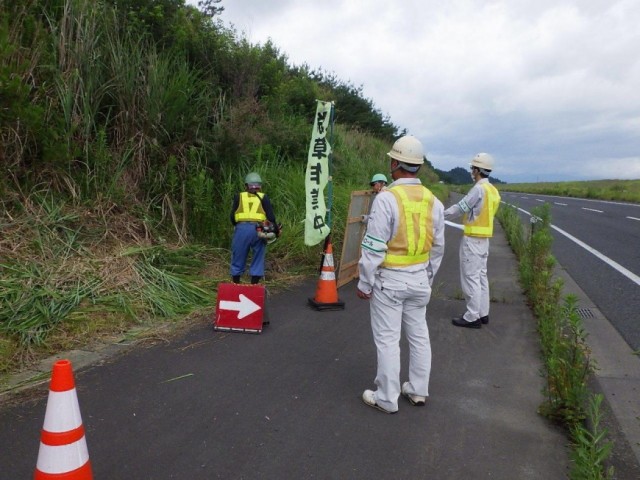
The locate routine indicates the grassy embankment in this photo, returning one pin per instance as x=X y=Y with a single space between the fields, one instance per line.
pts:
x=73 y=274
x=124 y=133
x=617 y=190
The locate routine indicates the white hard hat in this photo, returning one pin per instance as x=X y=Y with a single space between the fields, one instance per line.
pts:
x=483 y=161
x=407 y=149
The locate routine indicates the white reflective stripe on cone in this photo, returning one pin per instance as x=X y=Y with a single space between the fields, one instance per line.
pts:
x=64 y=458
x=63 y=412
x=327 y=276
x=328 y=260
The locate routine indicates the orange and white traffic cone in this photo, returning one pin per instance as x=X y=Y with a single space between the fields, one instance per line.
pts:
x=63 y=451
x=327 y=290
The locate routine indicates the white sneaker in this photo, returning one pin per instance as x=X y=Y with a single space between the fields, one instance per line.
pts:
x=369 y=398
x=417 y=400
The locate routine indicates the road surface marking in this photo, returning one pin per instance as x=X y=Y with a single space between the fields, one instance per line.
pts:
x=592 y=209
x=633 y=218
x=612 y=263
x=558 y=203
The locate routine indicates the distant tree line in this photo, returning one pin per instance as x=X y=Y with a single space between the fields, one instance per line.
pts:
x=459 y=176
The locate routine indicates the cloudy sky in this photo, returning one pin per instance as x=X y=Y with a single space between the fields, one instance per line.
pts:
x=551 y=88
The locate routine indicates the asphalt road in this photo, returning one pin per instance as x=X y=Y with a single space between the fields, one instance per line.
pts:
x=287 y=403
x=613 y=230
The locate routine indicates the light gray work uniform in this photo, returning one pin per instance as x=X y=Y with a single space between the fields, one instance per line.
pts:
x=399 y=298
x=473 y=253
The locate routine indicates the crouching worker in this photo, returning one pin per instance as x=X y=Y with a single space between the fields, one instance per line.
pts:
x=252 y=217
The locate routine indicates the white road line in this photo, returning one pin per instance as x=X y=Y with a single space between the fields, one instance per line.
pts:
x=558 y=203
x=633 y=218
x=612 y=263
x=592 y=209
x=626 y=204
x=538 y=200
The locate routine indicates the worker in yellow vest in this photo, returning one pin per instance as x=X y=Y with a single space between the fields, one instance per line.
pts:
x=401 y=252
x=478 y=208
x=249 y=212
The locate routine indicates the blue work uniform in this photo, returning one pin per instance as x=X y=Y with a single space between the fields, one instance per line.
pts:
x=248 y=211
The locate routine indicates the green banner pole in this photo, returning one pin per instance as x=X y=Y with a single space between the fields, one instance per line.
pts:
x=330 y=186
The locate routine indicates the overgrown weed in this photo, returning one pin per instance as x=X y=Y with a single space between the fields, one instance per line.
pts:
x=565 y=354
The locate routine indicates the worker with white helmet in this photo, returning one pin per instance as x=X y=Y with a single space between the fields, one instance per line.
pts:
x=250 y=211
x=401 y=253
x=478 y=208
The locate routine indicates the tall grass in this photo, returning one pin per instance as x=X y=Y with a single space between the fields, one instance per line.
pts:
x=80 y=76
x=62 y=265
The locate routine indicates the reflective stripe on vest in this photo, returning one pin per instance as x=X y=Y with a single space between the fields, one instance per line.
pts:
x=482 y=226
x=413 y=239
x=250 y=208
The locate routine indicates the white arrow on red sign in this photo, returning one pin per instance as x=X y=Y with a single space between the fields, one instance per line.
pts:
x=244 y=307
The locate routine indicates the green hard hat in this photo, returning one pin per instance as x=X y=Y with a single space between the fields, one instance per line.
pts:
x=252 y=178
x=378 y=177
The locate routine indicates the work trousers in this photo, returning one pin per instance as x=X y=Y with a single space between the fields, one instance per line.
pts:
x=399 y=302
x=245 y=239
x=474 y=252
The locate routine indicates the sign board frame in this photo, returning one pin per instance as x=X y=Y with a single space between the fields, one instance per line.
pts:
x=240 y=308
x=354 y=230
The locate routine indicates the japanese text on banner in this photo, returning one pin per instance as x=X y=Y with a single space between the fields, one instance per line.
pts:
x=317 y=176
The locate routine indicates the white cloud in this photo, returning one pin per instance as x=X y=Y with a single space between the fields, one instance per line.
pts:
x=548 y=87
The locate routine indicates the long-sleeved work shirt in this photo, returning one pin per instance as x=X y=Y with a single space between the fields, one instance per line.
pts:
x=471 y=204
x=383 y=224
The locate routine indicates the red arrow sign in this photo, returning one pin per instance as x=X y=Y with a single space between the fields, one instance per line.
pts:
x=240 y=308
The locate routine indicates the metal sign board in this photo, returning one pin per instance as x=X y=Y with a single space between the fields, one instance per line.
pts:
x=354 y=231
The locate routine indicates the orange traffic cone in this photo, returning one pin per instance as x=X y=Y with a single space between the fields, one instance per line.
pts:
x=327 y=290
x=63 y=451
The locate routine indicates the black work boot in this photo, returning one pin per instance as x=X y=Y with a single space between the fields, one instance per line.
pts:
x=255 y=279
x=236 y=278
x=461 y=322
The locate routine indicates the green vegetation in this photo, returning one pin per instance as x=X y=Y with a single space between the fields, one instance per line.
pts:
x=565 y=355
x=618 y=190
x=125 y=130
x=591 y=450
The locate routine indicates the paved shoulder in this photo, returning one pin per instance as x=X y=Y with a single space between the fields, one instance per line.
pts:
x=287 y=402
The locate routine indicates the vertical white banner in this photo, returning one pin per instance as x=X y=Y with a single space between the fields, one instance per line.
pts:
x=317 y=176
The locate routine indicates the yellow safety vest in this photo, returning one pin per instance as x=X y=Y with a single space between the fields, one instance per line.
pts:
x=413 y=239
x=482 y=226
x=250 y=208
